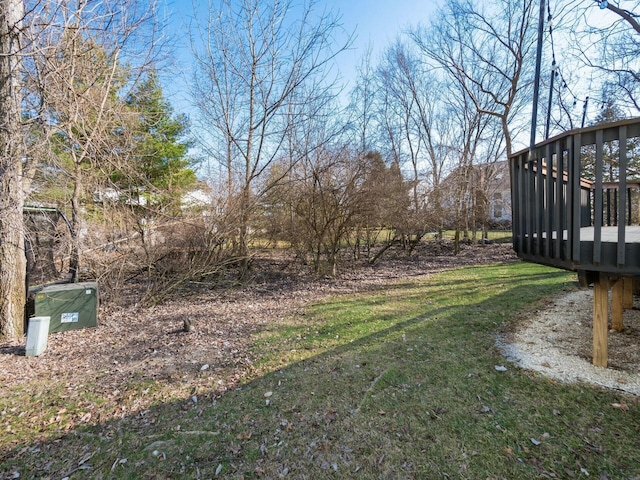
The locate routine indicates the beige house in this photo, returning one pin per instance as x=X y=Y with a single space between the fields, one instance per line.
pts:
x=481 y=193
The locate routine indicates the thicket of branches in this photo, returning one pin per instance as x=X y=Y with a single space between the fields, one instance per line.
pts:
x=85 y=128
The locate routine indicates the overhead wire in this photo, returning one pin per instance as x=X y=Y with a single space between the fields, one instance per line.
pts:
x=556 y=74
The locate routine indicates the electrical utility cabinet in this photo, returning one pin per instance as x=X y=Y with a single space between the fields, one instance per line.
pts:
x=70 y=306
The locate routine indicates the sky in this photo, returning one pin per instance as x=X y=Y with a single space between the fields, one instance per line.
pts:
x=374 y=23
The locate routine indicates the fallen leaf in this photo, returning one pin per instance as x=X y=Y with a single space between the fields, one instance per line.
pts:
x=621 y=406
x=507 y=451
x=330 y=416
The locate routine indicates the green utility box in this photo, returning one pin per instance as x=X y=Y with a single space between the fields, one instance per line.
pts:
x=70 y=306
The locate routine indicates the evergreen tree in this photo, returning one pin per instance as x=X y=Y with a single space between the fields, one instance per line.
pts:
x=161 y=165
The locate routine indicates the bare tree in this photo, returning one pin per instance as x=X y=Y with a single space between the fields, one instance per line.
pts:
x=82 y=56
x=12 y=256
x=605 y=36
x=487 y=49
x=417 y=102
x=362 y=102
x=256 y=61
x=402 y=108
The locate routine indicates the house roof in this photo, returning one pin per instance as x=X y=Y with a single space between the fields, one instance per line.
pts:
x=496 y=173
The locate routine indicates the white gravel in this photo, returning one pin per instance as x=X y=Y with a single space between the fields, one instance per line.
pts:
x=557 y=342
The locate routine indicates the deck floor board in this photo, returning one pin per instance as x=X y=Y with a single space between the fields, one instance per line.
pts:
x=608 y=235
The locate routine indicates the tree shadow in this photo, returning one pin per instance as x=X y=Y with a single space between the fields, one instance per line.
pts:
x=259 y=428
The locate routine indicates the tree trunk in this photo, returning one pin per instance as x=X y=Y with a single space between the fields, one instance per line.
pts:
x=76 y=219
x=12 y=255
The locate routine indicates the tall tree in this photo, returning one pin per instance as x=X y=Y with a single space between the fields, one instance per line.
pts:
x=487 y=49
x=616 y=59
x=258 y=64
x=81 y=55
x=12 y=256
x=403 y=106
x=160 y=164
x=362 y=102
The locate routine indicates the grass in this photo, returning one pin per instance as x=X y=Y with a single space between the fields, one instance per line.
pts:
x=395 y=383
x=496 y=236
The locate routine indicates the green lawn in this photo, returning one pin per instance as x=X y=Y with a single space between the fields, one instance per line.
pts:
x=397 y=383
x=496 y=236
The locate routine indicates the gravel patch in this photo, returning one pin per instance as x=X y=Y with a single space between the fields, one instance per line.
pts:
x=557 y=342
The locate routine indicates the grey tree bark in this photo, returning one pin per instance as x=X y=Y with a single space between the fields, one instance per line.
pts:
x=12 y=256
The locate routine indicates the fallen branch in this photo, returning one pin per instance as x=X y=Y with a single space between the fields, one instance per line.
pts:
x=369 y=390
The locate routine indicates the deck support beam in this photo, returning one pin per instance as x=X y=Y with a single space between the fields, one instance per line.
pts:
x=628 y=293
x=617 y=304
x=600 y=320
x=622 y=291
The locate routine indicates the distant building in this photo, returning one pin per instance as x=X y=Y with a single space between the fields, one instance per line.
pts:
x=482 y=192
x=196 y=198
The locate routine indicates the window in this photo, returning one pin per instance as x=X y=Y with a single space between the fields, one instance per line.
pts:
x=497 y=205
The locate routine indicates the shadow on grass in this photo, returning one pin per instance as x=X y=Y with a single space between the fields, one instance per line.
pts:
x=420 y=398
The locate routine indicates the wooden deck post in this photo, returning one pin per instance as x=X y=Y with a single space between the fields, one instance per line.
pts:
x=617 y=305
x=600 y=314
x=628 y=293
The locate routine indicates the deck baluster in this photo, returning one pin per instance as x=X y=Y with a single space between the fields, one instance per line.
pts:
x=548 y=207
x=558 y=225
x=597 y=202
x=576 y=195
x=622 y=188
x=530 y=201
x=539 y=204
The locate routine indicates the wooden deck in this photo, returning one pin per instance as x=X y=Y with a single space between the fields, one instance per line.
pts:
x=574 y=207
x=608 y=234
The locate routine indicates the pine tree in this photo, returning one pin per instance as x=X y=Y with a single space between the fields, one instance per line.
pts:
x=161 y=165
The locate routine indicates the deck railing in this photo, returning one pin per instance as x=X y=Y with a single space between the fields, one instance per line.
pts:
x=574 y=181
